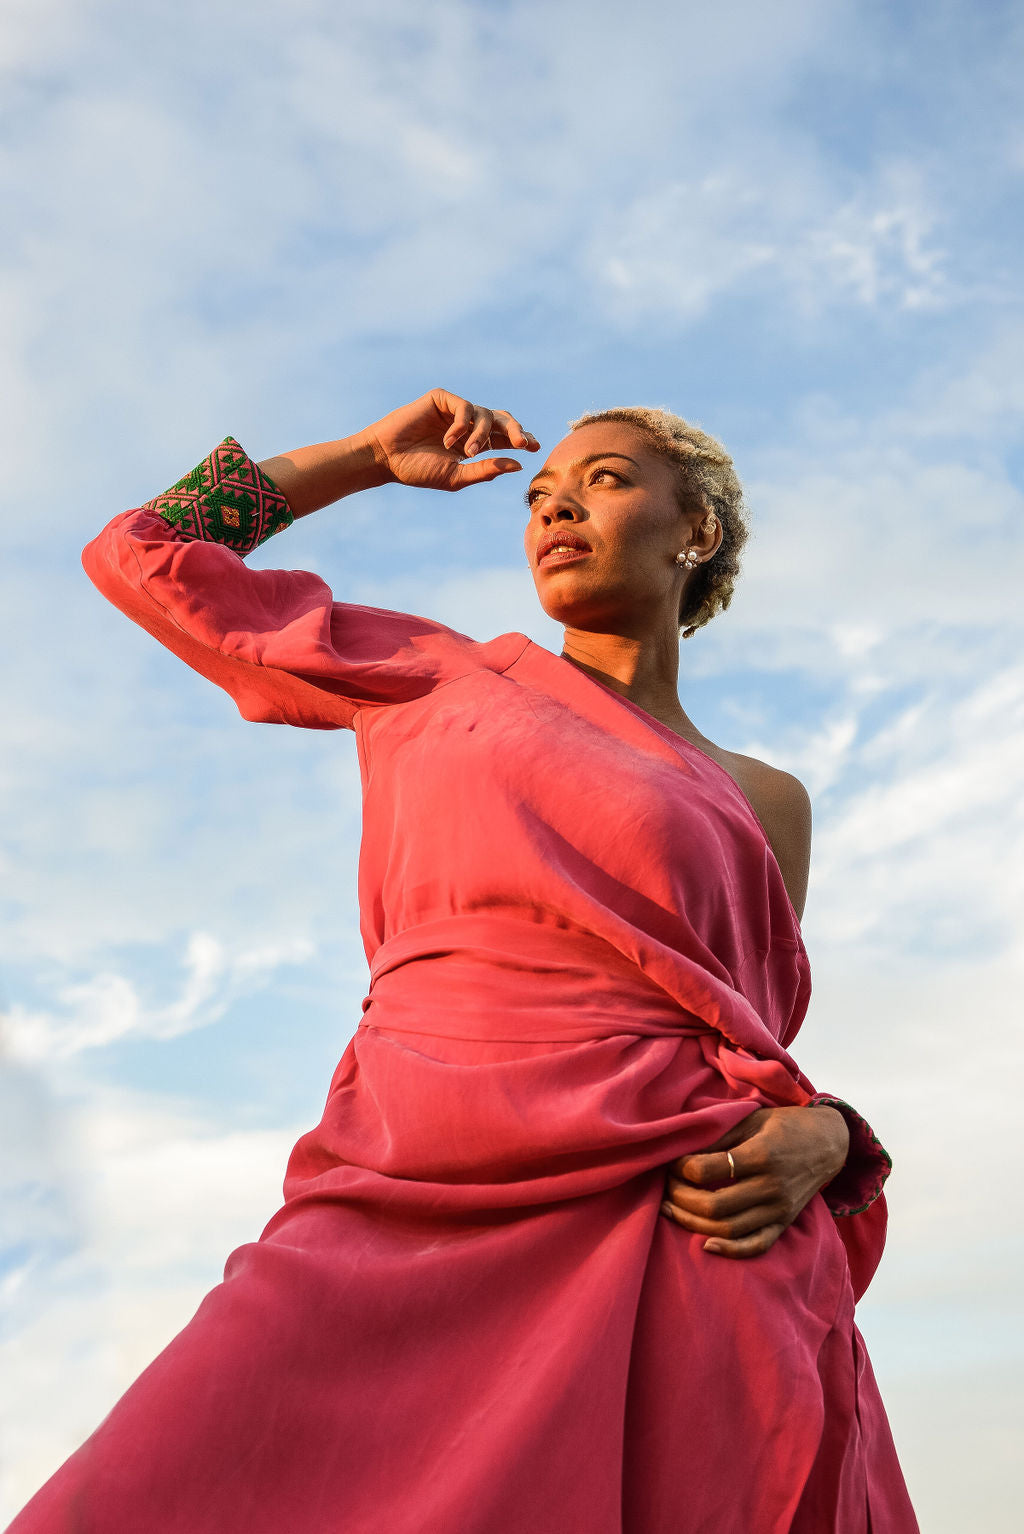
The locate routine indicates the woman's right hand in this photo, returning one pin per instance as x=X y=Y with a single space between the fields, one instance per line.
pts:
x=427 y=442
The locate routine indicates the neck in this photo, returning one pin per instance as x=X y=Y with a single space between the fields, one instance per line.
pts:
x=643 y=668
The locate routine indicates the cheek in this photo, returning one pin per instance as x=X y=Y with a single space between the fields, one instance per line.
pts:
x=643 y=543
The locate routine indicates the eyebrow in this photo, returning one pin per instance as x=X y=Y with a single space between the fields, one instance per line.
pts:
x=581 y=463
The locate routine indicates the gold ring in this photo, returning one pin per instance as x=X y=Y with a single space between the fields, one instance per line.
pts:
x=732 y=1165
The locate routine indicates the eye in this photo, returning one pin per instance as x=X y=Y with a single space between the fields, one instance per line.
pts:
x=531 y=495
x=598 y=472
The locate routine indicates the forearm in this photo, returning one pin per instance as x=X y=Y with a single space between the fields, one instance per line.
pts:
x=313 y=477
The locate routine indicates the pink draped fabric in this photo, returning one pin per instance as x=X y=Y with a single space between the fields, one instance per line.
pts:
x=467 y=1315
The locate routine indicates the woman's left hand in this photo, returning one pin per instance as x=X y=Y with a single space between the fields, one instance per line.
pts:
x=782 y=1157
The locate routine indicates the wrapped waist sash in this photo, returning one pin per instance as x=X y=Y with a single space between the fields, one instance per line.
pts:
x=501 y=979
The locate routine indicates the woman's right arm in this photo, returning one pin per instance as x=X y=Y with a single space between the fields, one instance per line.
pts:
x=423 y=443
x=276 y=640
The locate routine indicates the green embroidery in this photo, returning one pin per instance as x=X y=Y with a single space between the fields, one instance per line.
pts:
x=174 y=511
x=199 y=479
x=225 y=499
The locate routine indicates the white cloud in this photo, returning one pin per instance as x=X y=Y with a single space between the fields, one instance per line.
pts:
x=678 y=248
x=196 y=229
x=885 y=563
x=160 y=1197
x=919 y=841
x=880 y=246
x=108 y=1006
x=774 y=229
x=980 y=398
x=31 y=31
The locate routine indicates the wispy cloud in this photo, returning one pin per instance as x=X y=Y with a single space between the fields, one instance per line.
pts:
x=134 y=1238
x=879 y=254
x=108 y=1006
x=672 y=252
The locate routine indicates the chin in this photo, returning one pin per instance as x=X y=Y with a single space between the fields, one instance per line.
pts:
x=560 y=607
x=581 y=615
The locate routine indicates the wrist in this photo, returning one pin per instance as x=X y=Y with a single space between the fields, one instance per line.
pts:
x=838 y=1141
x=313 y=477
x=369 y=459
x=860 y=1181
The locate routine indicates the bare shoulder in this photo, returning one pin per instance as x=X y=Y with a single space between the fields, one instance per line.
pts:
x=783 y=806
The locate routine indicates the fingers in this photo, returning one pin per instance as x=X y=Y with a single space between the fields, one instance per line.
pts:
x=744 y=1142
x=728 y=1226
x=479 y=428
x=463 y=418
x=712 y=1167
x=723 y=1203
x=781 y=1158
x=730 y=1211
x=746 y=1246
x=479 y=473
x=507 y=429
x=479 y=438
x=747 y=1235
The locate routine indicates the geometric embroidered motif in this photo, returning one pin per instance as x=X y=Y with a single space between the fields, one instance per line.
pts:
x=226 y=499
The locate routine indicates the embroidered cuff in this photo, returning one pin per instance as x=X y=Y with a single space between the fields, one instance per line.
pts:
x=868 y=1163
x=226 y=499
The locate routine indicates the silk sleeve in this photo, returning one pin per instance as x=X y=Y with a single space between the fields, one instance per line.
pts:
x=275 y=640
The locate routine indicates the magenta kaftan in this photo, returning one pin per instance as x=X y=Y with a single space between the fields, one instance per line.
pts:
x=468 y=1317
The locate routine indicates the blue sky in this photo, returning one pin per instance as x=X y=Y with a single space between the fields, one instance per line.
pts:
x=798 y=225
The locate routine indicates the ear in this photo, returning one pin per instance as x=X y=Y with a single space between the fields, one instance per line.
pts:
x=706 y=536
x=701 y=532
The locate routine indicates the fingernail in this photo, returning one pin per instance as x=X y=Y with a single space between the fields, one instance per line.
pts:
x=666 y=1209
x=712 y=1246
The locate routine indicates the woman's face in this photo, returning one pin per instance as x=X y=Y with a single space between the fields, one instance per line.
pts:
x=604 y=531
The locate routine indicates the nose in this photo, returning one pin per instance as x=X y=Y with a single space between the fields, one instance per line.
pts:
x=559 y=507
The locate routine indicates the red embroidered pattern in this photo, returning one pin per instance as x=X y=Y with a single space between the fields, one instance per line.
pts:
x=226 y=499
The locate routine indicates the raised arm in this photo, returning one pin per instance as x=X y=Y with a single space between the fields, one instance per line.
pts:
x=276 y=640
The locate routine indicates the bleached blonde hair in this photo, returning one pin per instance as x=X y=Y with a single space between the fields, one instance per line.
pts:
x=707 y=480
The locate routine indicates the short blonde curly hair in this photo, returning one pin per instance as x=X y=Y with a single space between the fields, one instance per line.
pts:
x=707 y=479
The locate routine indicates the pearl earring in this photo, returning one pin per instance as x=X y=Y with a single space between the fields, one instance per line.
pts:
x=688 y=558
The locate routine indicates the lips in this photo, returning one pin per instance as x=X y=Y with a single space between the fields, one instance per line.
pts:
x=561 y=547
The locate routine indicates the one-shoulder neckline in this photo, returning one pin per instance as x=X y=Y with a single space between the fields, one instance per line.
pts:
x=677 y=740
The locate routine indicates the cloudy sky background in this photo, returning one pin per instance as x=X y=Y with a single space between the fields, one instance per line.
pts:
x=798 y=224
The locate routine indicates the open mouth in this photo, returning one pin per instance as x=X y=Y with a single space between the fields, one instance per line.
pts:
x=561 y=549
x=562 y=555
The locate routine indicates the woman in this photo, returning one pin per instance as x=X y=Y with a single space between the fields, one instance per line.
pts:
x=581 y=918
